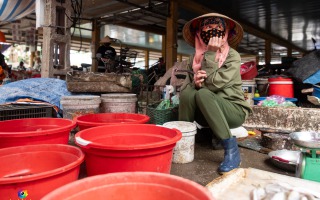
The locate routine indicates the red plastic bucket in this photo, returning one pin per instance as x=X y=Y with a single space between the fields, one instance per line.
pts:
x=248 y=70
x=130 y=147
x=100 y=119
x=133 y=186
x=37 y=169
x=281 y=86
x=30 y=131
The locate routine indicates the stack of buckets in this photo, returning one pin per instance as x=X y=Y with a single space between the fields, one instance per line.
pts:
x=124 y=154
x=278 y=85
x=76 y=105
x=119 y=102
x=281 y=86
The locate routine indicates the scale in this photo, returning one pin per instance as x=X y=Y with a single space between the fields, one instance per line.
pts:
x=308 y=166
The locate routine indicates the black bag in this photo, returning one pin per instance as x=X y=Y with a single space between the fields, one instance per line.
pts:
x=305 y=67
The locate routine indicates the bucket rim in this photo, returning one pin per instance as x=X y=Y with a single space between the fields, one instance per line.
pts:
x=85 y=100
x=131 y=178
x=251 y=81
x=86 y=97
x=279 y=79
x=281 y=82
x=72 y=125
x=76 y=151
x=79 y=121
x=83 y=143
x=186 y=122
x=117 y=94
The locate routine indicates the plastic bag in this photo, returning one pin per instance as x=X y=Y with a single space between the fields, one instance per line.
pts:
x=175 y=100
x=276 y=101
x=163 y=105
x=169 y=101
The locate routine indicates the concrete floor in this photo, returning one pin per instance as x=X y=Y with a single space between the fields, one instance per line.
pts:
x=204 y=167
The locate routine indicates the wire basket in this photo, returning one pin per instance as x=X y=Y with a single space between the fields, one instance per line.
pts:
x=161 y=116
x=8 y=112
x=128 y=57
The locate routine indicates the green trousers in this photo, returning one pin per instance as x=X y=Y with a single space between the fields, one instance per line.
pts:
x=208 y=109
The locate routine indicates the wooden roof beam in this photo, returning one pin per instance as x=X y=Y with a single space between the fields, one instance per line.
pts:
x=155 y=30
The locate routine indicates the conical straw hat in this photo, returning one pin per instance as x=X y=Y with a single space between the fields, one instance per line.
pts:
x=234 y=38
x=106 y=40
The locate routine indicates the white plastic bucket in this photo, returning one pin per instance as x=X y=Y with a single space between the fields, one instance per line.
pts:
x=119 y=102
x=74 y=106
x=183 y=152
x=249 y=87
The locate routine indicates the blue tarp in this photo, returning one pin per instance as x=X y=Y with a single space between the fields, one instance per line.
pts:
x=313 y=79
x=49 y=90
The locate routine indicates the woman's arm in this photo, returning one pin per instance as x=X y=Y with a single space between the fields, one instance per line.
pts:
x=219 y=78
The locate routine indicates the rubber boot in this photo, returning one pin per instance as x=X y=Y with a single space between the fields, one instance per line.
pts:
x=231 y=155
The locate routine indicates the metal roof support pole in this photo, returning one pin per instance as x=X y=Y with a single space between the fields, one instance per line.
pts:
x=171 y=36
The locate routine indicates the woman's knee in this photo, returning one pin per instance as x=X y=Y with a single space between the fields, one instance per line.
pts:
x=203 y=95
x=187 y=96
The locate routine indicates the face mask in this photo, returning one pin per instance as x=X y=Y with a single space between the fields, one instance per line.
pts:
x=206 y=35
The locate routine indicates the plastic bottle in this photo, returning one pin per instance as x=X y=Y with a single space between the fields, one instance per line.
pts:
x=256 y=94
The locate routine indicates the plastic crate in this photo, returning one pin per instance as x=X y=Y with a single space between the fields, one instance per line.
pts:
x=11 y=111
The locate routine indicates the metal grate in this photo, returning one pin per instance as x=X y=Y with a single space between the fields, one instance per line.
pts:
x=10 y=111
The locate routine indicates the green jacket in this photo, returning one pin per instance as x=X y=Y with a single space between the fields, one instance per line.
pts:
x=224 y=81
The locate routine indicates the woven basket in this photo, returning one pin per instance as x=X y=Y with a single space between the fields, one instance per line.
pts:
x=161 y=116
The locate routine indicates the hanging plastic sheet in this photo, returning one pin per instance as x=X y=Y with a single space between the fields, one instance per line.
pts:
x=305 y=67
x=4 y=47
x=11 y=10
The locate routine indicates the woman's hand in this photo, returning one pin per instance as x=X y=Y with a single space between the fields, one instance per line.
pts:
x=199 y=77
x=215 y=44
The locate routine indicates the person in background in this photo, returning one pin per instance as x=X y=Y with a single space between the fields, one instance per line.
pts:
x=213 y=95
x=105 y=51
x=2 y=74
x=37 y=64
x=161 y=67
x=4 y=69
x=21 y=66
